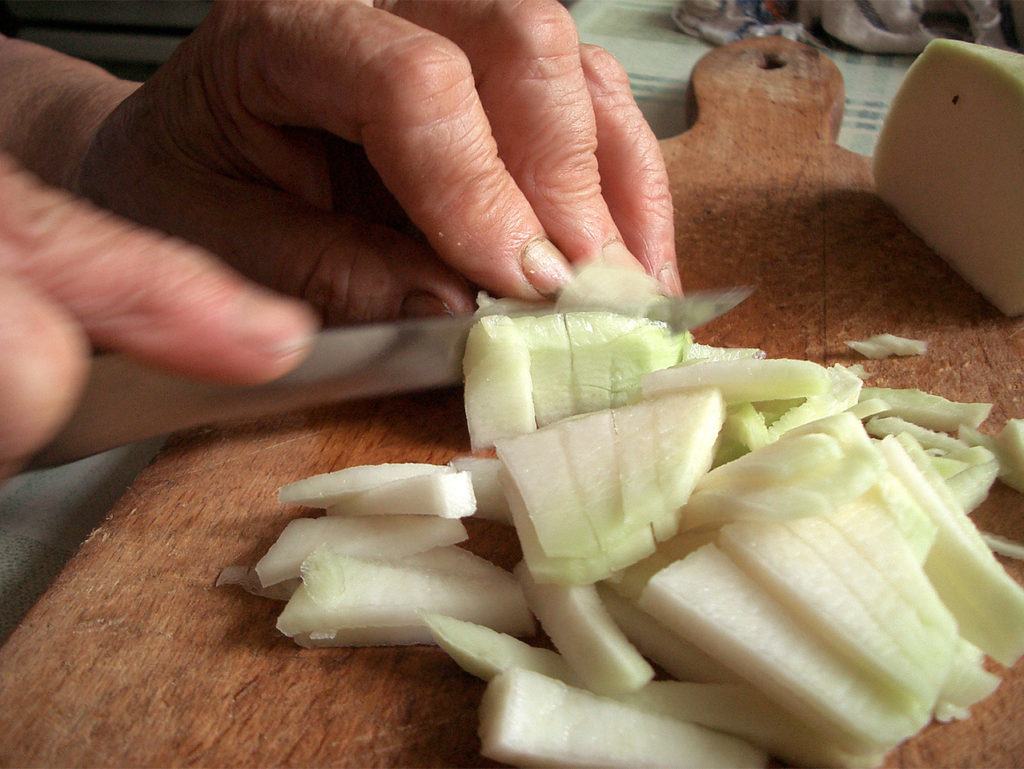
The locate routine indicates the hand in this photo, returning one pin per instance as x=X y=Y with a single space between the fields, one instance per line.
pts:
x=388 y=161
x=73 y=278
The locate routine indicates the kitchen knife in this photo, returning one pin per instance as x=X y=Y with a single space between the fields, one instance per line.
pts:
x=124 y=401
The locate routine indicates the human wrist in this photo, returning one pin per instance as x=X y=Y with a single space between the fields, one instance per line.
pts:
x=52 y=107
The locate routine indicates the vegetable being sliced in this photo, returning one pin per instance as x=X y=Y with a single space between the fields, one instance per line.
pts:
x=527 y=371
x=498 y=390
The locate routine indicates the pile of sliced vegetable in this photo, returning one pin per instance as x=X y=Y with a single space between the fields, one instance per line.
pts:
x=791 y=550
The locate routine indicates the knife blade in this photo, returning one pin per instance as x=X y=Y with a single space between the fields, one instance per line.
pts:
x=124 y=401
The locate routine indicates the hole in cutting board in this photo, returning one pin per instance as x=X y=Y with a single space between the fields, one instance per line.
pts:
x=770 y=60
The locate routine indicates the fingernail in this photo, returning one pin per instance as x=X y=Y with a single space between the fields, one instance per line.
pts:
x=422 y=304
x=544 y=266
x=274 y=326
x=616 y=254
x=668 y=276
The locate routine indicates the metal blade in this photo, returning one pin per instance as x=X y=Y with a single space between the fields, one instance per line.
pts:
x=125 y=402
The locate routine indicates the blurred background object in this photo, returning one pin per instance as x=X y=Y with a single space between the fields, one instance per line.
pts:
x=130 y=38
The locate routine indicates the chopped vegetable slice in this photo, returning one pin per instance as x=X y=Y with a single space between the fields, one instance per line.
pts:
x=347 y=601
x=883 y=345
x=584 y=633
x=368 y=537
x=530 y=720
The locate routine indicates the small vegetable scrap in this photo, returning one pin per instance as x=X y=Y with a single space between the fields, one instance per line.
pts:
x=792 y=549
x=884 y=345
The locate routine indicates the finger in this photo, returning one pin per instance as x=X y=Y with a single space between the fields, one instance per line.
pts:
x=408 y=97
x=635 y=180
x=526 y=61
x=350 y=268
x=42 y=370
x=160 y=300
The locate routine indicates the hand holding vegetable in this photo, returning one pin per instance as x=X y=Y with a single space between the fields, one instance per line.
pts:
x=381 y=161
x=375 y=162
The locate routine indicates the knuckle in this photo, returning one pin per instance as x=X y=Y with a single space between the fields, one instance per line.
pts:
x=350 y=285
x=546 y=27
x=421 y=74
x=604 y=71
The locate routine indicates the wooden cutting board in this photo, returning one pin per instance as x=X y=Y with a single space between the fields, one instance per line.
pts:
x=134 y=658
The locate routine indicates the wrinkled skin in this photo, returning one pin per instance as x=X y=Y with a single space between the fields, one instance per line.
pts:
x=372 y=162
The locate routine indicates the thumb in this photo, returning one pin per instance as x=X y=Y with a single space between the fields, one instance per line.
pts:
x=42 y=370
x=350 y=268
x=158 y=300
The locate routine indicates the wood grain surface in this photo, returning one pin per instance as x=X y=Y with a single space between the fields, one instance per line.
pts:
x=135 y=659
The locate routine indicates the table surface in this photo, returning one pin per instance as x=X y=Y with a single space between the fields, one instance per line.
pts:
x=208 y=681
x=45 y=515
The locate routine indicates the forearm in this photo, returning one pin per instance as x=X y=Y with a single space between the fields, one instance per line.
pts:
x=50 y=108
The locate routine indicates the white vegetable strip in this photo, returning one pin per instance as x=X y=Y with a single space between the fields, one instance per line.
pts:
x=365 y=537
x=345 y=600
x=809 y=567
x=742 y=711
x=968 y=683
x=880 y=427
x=864 y=409
x=485 y=473
x=883 y=345
x=1004 y=546
x=927 y=409
x=484 y=652
x=842 y=395
x=749 y=631
x=1010 y=441
x=745 y=379
x=585 y=635
x=681 y=659
x=324 y=489
x=498 y=385
x=960 y=565
x=1008 y=448
x=445 y=494
x=529 y=720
